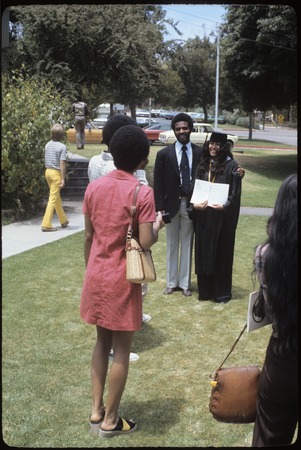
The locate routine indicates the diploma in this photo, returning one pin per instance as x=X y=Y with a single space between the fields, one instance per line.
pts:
x=215 y=193
x=257 y=316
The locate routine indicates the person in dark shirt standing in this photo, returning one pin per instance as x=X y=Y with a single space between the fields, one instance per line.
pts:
x=80 y=111
x=171 y=188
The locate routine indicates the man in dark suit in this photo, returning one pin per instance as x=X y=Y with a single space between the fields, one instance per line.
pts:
x=171 y=196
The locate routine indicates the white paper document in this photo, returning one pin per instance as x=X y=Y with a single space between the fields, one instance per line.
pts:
x=257 y=317
x=215 y=193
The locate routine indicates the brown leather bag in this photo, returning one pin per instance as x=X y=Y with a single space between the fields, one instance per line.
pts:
x=234 y=392
x=233 y=399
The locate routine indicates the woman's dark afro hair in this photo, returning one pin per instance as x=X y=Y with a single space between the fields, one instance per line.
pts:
x=129 y=147
x=113 y=124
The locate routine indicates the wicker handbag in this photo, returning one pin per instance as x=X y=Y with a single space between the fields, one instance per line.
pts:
x=234 y=392
x=139 y=262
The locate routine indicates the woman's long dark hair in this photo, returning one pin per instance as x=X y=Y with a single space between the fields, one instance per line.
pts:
x=219 y=164
x=281 y=266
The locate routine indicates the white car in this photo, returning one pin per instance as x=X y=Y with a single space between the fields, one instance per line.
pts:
x=100 y=121
x=201 y=132
x=142 y=113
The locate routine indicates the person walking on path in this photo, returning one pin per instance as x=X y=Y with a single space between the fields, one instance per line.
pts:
x=55 y=163
x=80 y=111
x=108 y=300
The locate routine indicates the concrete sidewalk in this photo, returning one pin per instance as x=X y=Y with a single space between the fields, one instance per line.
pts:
x=21 y=236
x=18 y=237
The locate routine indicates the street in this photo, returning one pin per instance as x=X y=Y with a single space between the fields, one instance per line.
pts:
x=283 y=136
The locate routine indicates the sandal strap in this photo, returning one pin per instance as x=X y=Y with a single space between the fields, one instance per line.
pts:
x=124 y=425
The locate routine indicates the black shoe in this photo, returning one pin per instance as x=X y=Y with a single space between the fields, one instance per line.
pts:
x=169 y=291
x=222 y=299
x=186 y=292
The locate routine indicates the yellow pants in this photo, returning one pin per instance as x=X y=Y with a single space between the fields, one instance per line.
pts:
x=53 y=178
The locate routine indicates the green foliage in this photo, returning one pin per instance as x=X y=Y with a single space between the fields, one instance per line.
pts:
x=261 y=54
x=29 y=108
x=114 y=53
x=102 y=53
x=195 y=64
x=171 y=88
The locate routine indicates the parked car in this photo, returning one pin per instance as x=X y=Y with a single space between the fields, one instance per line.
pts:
x=100 y=121
x=192 y=114
x=93 y=135
x=144 y=121
x=155 y=112
x=162 y=112
x=201 y=133
x=169 y=114
x=199 y=117
x=152 y=132
x=221 y=119
x=142 y=113
x=211 y=119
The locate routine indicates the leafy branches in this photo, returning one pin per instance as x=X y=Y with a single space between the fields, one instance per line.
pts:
x=29 y=108
x=261 y=54
x=114 y=47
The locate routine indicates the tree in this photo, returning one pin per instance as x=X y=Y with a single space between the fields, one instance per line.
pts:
x=133 y=71
x=111 y=50
x=261 y=55
x=195 y=64
x=171 y=89
x=55 y=43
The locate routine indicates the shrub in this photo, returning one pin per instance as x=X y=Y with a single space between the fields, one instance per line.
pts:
x=243 y=122
x=29 y=108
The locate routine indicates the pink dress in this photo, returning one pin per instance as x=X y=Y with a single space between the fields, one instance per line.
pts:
x=108 y=299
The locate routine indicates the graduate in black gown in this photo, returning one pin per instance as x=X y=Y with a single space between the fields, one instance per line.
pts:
x=215 y=225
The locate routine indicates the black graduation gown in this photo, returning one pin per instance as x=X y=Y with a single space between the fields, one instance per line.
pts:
x=215 y=239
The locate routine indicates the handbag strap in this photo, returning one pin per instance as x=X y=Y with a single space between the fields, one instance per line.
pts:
x=132 y=213
x=232 y=348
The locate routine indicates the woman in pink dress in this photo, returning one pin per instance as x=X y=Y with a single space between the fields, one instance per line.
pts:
x=108 y=300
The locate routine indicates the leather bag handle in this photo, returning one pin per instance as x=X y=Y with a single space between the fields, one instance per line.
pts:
x=132 y=213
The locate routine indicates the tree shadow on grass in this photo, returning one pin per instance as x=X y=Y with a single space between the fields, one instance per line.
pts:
x=147 y=338
x=238 y=293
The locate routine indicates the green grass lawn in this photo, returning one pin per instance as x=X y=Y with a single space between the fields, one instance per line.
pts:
x=46 y=347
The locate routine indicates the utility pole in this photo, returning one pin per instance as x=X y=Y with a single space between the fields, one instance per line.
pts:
x=217 y=80
x=149 y=111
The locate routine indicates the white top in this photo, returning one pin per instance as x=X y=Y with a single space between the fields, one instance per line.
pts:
x=101 y=165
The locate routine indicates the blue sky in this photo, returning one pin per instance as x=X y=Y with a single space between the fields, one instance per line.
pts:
x=193 y=20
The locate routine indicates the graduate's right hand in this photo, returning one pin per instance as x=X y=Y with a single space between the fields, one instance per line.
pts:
x=200 y=206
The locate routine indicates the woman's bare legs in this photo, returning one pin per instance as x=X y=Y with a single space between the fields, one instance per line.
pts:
x=121 y=344
x=99 y=369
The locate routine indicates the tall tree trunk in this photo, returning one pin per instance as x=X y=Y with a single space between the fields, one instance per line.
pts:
x=251 y=119
x=133 y=109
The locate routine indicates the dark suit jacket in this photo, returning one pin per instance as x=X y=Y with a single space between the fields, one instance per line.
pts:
x=167 y=181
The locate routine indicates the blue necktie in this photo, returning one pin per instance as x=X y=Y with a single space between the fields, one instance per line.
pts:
x=184 y=166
